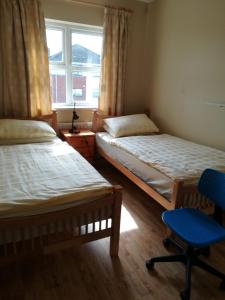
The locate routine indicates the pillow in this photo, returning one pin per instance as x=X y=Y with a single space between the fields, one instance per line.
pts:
x=130 y=125
x=24 y=131
x=107 y=128
x=25 y=140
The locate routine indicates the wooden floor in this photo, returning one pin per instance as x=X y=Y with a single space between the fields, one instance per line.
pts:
x=89 y=273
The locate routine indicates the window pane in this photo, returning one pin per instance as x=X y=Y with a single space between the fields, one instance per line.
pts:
x=86 y=49
x=85 y=86
x=78 y=92
x=74 y=63
x=58 y=86
x=55 y=45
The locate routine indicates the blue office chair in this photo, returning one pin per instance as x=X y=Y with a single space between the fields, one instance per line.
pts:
x=197 y=230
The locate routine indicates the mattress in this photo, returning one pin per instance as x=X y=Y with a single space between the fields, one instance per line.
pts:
x=160 y=159
x=160 y=182
x=175 y=157
x=43 y=177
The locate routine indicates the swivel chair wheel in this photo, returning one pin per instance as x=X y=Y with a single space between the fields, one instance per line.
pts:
x=222 y=285
x=166 y=243
x=185 y=295
x=149 y=264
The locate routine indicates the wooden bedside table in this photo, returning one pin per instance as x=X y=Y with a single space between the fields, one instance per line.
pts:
x=83 y=142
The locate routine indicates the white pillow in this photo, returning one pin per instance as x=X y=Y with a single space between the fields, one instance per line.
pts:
x=24 y=131
x=130 y=125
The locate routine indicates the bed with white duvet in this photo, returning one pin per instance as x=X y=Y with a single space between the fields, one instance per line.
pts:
x=50 y=196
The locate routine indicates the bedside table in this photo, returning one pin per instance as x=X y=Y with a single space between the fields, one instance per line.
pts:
x=83 y=142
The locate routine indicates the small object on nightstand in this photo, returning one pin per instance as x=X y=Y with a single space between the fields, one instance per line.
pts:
x=83 y=142
x=74 y=118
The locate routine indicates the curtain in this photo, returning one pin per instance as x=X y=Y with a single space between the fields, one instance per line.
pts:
x=113 y=65
x=24 y=70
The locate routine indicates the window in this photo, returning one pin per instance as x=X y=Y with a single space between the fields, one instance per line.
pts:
x=74 y=53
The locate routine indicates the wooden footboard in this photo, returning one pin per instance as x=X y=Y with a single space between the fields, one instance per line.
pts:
x=188 y=196
x=45 y=233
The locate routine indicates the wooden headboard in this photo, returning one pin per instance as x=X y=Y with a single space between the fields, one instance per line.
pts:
x=97 y=120
x=51 y=119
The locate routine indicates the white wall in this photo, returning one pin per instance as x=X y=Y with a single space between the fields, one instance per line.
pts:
x=186 y=68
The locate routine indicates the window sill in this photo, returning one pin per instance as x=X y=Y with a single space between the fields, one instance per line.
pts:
x=71 y=107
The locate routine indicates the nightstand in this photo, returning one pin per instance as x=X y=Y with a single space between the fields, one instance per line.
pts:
x=83 y=142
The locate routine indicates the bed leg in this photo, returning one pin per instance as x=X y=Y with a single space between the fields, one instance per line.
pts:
x=176 y=200
x=115 y=236
x=177 y=194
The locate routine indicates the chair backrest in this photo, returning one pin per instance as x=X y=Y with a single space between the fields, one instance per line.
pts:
x=212 y=186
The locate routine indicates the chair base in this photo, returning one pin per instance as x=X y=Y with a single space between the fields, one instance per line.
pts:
x=189 y=257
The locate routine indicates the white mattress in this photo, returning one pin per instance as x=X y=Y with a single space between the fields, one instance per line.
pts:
x=160 y=159
x=175 y=157
x=43 y=177
x=160 y=182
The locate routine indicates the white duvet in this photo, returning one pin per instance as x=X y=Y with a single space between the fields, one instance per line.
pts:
x=173 y=156
x=41 y=177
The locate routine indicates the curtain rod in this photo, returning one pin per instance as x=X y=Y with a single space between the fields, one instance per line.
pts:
x=87 y=3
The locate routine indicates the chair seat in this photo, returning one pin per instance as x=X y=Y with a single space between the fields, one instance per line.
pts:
x=194 y=227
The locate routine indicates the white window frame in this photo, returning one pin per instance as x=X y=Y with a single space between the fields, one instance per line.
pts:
x=67 y=29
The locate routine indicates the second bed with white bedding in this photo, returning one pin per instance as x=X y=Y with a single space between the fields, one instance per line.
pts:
x=160 y=159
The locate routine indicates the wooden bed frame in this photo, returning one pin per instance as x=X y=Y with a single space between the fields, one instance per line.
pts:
x=182 y=195
x=96 y=218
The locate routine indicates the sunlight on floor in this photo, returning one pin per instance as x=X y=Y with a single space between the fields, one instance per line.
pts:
x=127 y=221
